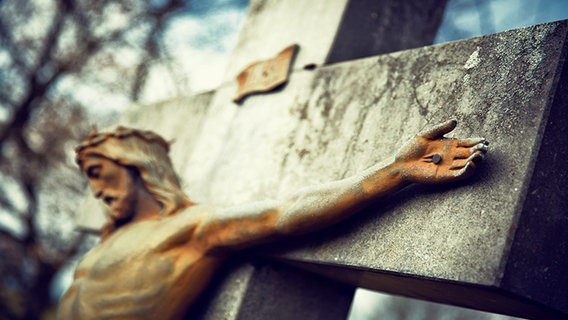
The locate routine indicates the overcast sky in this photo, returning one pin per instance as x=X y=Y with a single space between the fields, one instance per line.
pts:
x=201 y=39
x=471 y=18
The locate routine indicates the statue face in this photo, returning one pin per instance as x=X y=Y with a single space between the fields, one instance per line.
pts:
x=114 y=184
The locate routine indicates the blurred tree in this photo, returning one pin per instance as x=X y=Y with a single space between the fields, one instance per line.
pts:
x=50 y=50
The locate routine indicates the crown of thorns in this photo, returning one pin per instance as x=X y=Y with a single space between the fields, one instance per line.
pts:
x=94 y=138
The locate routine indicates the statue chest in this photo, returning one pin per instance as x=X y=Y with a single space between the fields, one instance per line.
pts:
x=127 y=277
x=130 y=262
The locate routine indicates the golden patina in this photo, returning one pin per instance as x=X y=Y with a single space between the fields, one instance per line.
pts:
x=159 y=250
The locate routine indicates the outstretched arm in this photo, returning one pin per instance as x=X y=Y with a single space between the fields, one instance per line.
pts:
x=427 y=158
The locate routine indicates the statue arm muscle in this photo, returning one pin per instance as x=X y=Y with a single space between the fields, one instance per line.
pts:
x=307 y=210
x=320 y=206
x=426 y=158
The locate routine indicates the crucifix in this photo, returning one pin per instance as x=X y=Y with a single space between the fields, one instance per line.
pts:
x=159 y=249
x=331 y=121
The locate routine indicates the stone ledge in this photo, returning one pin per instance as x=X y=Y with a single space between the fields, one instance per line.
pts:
x=505 y=230
x=337 y=120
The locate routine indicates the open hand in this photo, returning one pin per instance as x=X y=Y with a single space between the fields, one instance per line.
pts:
x=431 y=158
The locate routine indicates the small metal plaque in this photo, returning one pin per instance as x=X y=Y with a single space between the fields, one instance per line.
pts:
x=267 y=75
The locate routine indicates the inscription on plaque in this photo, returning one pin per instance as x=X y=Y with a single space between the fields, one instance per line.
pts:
x=267 y=75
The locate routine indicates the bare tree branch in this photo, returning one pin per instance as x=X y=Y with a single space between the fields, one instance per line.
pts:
x=42 y=120
x=7 y=43
x=159 y=17
x=36 y=85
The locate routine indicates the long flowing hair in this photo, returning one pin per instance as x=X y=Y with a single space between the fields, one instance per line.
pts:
x=148 y=153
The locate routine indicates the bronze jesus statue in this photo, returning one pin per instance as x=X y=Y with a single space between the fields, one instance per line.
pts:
x=159 y=250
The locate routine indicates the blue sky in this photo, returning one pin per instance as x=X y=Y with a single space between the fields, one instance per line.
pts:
x=471 y=18
x=213 y=28
x=199 y=40
x=202 y=37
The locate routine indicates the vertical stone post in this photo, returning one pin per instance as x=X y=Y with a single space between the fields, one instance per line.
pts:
x=326 y=32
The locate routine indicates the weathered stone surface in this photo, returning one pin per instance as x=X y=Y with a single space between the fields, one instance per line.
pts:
x=447 y=243
x=371 y=27
x=225 y=296
x=333 y=31
x=501 y=86
x=280 y=292
x=184 y=115
x=485 y=243
x=537 y=263
x=264 y=290
x=274 y=25
x=358 y=112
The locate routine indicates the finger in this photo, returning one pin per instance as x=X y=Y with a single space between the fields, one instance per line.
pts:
x=467 y=171
x=458 y=164
x=474 y=158
x=438 y=131
x=477 y=156
x=472 y=142
x=463 y=173
x=479 y=147
x=463 y=153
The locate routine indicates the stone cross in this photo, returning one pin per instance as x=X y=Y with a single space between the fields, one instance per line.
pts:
x=497 y=242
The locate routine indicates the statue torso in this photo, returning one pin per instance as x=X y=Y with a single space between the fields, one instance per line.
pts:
x=145 y=270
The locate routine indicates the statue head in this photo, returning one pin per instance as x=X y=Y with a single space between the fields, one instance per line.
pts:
x=144 y=151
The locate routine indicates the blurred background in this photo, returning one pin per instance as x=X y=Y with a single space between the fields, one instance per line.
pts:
x=68 y=64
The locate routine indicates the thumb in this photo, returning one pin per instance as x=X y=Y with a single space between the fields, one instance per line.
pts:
x=438 y=131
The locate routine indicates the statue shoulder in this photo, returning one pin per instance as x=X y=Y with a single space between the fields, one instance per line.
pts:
x=190 y=215
x=180 y=226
